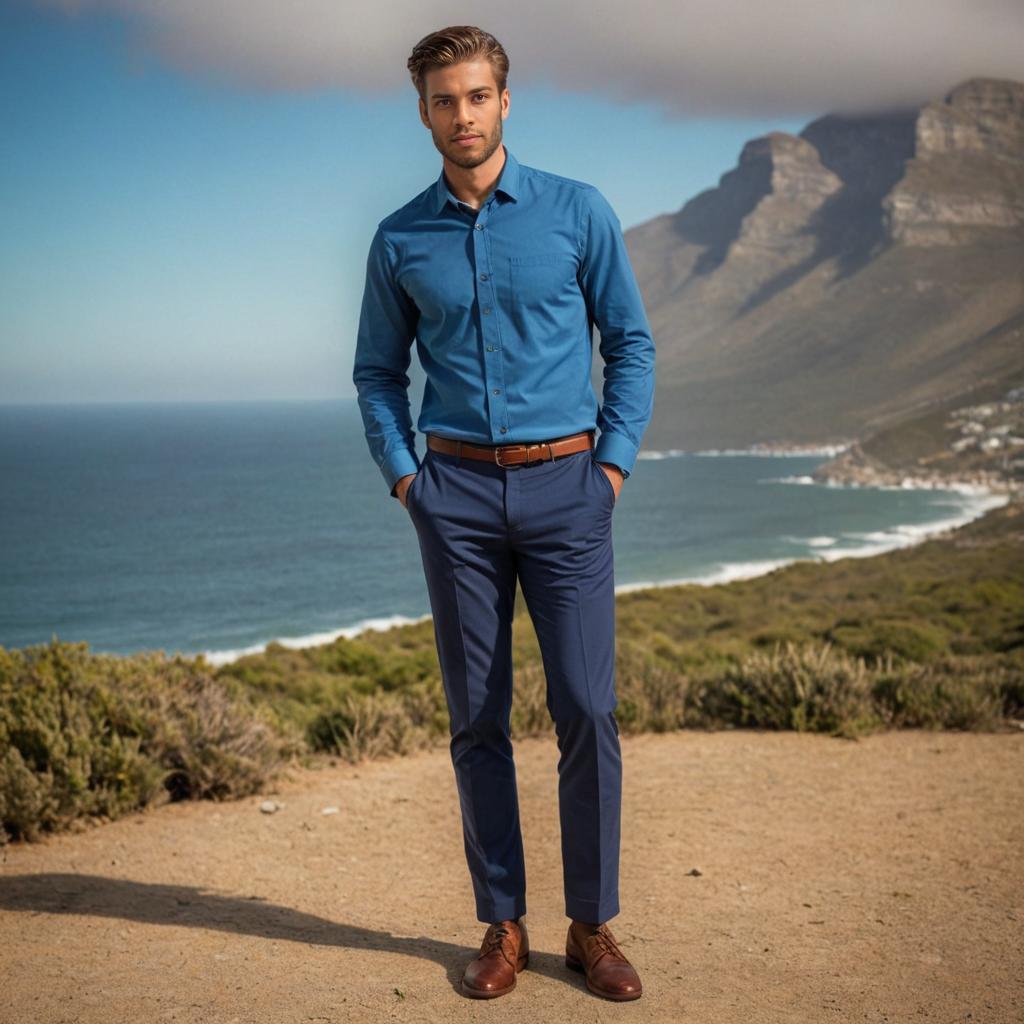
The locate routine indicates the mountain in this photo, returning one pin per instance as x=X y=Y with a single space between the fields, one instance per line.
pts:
x=839 y=280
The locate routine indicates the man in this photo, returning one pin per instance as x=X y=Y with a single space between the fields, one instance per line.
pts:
x=499 y=272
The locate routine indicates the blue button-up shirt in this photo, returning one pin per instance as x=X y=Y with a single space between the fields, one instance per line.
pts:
x=502 y=302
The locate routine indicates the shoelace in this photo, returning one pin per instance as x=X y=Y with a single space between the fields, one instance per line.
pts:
x=495 y=939
x=603 y=940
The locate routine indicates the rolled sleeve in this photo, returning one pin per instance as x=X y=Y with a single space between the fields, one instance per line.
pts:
x=615 y=305
x=387 y=328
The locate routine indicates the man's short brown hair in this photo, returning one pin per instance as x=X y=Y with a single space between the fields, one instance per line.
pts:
x=453 y=45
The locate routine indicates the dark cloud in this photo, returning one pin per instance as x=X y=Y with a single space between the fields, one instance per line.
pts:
x=705 y=57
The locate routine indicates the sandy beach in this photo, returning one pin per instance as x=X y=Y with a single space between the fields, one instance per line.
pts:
x=765 y=877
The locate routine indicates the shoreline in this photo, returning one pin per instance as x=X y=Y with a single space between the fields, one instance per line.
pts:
x=985 y=499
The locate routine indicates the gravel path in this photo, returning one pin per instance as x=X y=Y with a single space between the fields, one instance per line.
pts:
x=875 y=881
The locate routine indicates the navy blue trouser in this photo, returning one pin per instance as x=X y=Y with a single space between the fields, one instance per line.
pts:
x=480 y=526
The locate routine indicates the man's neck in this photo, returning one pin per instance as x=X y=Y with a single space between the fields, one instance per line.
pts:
x=473 y=185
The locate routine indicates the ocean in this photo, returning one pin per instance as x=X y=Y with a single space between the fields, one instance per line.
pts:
x=217 y=527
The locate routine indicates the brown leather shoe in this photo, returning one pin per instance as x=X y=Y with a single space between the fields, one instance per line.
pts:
x=597 y=955
x=504 y=952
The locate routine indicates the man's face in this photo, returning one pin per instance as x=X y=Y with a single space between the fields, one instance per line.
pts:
x=463 y=100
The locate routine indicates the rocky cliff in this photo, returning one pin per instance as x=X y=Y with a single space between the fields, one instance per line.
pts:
x=838 y=280
x=966 y=178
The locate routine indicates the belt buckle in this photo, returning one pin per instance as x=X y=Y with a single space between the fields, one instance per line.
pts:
x=498 y=449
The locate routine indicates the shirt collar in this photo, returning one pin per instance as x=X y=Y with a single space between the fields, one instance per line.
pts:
x=508 y=183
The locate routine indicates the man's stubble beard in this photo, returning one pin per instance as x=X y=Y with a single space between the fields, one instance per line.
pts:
x=461 y=159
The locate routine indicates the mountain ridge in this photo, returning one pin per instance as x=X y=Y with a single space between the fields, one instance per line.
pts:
x=836 y=279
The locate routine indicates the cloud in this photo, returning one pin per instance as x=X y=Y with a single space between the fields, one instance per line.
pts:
x=703 y=57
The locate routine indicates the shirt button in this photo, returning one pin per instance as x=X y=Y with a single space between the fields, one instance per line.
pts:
x=504 y=430
x=483 y=277
x=497 y=391
x=490 y=348
x=487 y=309
x=479 y=227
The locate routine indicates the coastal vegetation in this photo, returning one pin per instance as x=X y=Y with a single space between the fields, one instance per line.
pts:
x=930 y=636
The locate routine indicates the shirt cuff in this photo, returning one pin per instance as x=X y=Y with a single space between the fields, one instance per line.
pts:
x=616 y=449
x=401 y=462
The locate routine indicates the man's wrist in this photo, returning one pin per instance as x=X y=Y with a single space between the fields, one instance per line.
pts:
x=398 y=485
x=399 y=463
x=617 y=450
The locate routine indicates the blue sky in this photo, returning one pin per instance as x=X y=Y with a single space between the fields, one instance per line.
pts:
x=172 y=235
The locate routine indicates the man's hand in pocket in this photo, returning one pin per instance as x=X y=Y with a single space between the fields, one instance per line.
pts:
x=615 y=475
x=402 y=487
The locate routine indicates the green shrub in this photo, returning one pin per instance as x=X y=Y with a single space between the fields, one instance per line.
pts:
x=530 y=715
x=97 y=736
x=653 y=696
x=379 y=725
x=809 y=688
x=951 y=693
x=877 y=637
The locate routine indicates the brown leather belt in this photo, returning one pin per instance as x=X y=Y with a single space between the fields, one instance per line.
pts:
x=514 y=454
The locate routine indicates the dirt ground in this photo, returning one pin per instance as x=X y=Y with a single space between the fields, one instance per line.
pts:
x=876 y=881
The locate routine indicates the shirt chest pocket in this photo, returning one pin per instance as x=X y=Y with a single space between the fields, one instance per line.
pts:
x=541 y=278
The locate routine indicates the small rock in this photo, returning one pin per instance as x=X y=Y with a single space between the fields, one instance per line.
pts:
x=269 y=806
x=695 y=871
x=329 y=810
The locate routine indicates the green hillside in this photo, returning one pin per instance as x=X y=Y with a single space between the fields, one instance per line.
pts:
x=930 y=636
